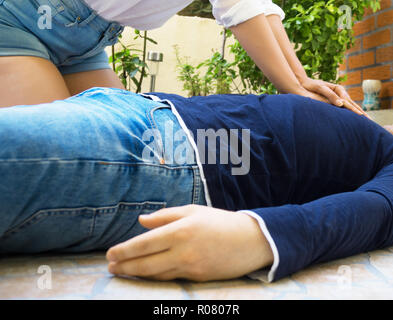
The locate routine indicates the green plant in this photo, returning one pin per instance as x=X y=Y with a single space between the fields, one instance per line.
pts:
x=129 y=63
x=213 y=76
x=189 y=75
x=200 y=8
x=219 y=74
x=313 y=26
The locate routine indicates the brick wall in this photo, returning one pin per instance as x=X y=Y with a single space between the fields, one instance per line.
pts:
x=372 y=55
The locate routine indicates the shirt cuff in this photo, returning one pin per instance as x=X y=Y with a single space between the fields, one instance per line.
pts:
x=264 y=275
x=245 y=10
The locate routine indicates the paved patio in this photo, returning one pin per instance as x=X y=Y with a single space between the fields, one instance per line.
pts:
x=365 y=276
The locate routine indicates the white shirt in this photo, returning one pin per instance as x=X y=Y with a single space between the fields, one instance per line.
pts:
x=151 y=14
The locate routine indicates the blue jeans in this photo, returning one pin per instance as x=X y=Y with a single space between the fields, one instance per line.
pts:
x=66 y=32
x=73 y=177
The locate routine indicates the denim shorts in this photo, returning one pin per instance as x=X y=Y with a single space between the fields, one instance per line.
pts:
x=66 y=32
x=76 y=179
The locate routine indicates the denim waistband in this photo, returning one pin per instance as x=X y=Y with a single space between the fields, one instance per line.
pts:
x=92 y=18
x=95 y=16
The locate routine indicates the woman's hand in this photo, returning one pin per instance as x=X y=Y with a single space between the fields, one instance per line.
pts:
x=193 y=242
x=389 y=128
x=331 y=93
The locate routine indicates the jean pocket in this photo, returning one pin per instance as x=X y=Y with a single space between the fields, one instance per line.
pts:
x=64 y=12
x=157 y=134
x=73 y=229
x=169 y=137
x=98 y=46
x=118 y=224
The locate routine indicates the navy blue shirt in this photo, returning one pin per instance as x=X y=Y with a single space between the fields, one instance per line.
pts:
x=320 y=177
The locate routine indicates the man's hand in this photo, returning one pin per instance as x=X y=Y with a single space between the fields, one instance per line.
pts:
x=331 y=93
x=193 y=242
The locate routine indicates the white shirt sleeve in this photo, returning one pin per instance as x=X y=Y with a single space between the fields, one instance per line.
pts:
x=229 y=13
x=265 y=275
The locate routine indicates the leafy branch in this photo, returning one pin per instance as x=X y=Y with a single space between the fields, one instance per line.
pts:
x=129 y=63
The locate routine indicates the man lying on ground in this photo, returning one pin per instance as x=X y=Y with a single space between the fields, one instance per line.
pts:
x=228 y=185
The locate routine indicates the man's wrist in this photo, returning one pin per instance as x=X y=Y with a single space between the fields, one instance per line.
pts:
x=263 y=274
x=259 y=240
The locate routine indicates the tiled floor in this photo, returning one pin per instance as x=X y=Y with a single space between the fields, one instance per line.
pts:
x=365 y=276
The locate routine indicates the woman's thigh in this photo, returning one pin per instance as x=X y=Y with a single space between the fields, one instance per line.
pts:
x=28 y=80
x=81 y=81
x=72 y=39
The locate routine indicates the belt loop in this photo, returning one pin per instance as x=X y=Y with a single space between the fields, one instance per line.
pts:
x=58 y=5
x=114 y=30
x=90 y=18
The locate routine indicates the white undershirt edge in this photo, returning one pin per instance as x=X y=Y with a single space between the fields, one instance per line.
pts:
x=190 y=139
x=265 y=275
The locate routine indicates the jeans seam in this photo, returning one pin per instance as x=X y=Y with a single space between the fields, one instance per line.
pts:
x=77 y=211
x=35 y=218
x=158 y=143
x=196 y=185
x=99 y=162
x=153 y=125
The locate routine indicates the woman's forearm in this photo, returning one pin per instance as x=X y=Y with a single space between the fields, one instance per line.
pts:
x=267 y=43
x=267 y=53
x=286 y=46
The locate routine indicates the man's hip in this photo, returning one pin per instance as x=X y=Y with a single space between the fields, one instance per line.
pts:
x=76 y=174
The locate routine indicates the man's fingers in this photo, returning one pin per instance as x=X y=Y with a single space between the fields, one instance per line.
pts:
x=148 y=266
x=165 y=216
x=154 y=241
x=151 y=242
x=167 y=276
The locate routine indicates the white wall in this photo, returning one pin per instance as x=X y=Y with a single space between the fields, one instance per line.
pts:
x=196 y=39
